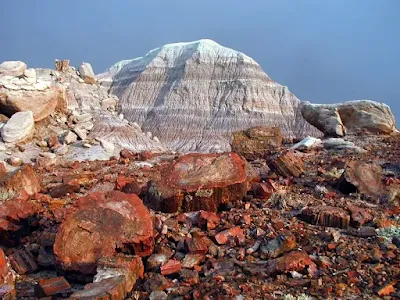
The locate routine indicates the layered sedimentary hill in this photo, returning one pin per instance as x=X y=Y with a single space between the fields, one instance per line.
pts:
x=194 y=95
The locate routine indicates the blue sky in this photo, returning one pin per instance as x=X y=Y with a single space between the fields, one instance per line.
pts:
x=324 y=51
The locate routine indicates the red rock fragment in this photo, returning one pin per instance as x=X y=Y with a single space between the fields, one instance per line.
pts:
x=386 y=290
x=131 y=267
x=211 y=220
x=23 y=262
x=287 y=164
x=364 y=178
x=64 y=189
x=53 y=286
x=235 y=232
x=108 y=289
x=23 y=180
x=7 y=278
x=198 y=245
x=263 y=190
x=171 y=267
x=281 y=244
x=359 y=216
x=293 y=261
x=199 y=182
x=256 y=142
x=122 y=181
x=326 y=216
x=12 y=213
x=53 y=142
x=98 y=225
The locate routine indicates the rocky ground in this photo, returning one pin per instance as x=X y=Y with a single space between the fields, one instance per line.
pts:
x=318 y=223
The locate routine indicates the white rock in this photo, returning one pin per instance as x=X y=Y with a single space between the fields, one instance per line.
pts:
x=83 y=118
x=2 y=146
x=307 y=143
x=156 y=139
x=108 y=146
x=85 y=126
x=149 y=134
x=87 y=74
x=48 y=155
x=82 y=134
x=30 y=75
x=18 y=127
x=109 y=103
x=121 y=116
x=70 y=138
x=87 y=145
x=12 y=68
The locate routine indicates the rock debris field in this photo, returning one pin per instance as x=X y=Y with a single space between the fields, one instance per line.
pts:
x=95 y=206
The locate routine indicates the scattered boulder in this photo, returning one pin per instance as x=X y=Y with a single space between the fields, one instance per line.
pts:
x=359 y=216
x=287 y=164
x=62 y=65
x=364 y=178
x=101 y=224
x=24 y=180
x=40 y=103
x=19 y=127
x=199 y=182
x=70 y=138
x=325 y=216
x=87 y=74
x=12 y=68
x=297 y=261
x=281 y=244
x=257 y=142
x=307 y=144
x=131 y=267
x=350 y=117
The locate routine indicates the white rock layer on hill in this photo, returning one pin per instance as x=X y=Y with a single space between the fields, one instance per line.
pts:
x=193 y=95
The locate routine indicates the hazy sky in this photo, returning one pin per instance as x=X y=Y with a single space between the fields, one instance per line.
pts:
x=324 y=51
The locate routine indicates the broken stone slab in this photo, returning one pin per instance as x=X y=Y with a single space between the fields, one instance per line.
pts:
x=359 y=216
x=171 y=267
x=256 y=142
x=131 y=267
x=40 y=103
x=23 y=262
x=87 y=74
x=101 y=224
x=108 y=289
x=81 y=133
x=341 y=144
x=199 y=182
x=327 y=216
x=365 y=178
x=12 y=68
x=19 y=127
x=109 y=103
x=53 y=286
x=235 y=233
x=30 y=75
x=307 y=144
x=287 y=164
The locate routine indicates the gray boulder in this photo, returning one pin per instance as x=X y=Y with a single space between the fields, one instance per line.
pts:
x=353 y=117
x=87 y=74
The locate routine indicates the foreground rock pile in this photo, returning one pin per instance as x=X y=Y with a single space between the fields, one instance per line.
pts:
x=322 y=222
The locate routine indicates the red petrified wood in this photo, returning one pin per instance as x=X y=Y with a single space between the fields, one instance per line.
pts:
x=101 y=224
x=199 y=182
x=7 y=279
